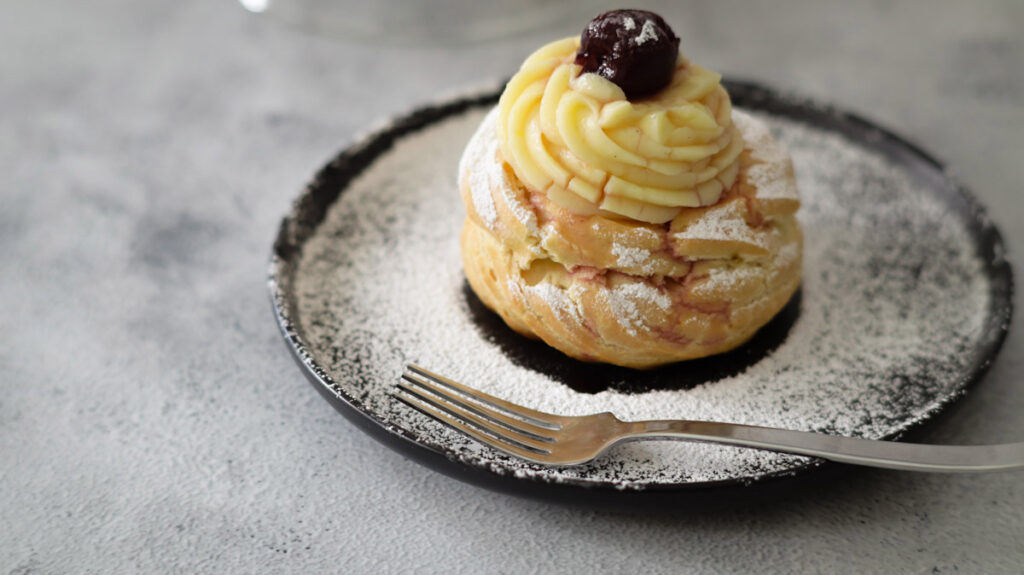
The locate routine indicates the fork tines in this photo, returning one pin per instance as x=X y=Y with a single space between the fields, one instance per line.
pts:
x=485 y=418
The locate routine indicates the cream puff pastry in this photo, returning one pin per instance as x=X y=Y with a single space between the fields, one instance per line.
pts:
x=636 y=232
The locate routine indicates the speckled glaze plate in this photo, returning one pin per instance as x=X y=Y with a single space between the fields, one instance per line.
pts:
x=906 y=299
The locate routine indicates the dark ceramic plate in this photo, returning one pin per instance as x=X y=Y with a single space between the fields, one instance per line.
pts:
x=905 y=302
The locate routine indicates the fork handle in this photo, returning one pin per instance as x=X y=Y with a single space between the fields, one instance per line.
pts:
x=888 y=454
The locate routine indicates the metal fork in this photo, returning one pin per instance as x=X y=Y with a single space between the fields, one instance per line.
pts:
x=569 y=440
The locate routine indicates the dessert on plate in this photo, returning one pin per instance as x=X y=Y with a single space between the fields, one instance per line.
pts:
x=620 y=209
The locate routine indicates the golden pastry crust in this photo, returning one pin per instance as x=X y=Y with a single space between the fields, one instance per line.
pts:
x=620 y=291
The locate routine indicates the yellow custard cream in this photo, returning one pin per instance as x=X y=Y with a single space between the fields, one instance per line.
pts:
x=576 y=138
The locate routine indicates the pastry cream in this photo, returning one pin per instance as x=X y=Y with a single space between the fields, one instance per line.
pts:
x=579 y=140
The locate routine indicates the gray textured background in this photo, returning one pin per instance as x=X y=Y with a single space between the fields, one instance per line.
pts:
x=151 y=418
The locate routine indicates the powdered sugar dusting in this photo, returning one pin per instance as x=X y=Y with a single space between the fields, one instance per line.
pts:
x=648 y=33
x=625 y=301
x=555 y=298
x=892 y=311
x=722 y=224
x=634 y=258
x=758 y=138
x=722 y=228
x=482 y=181
x=770 y=177
x=727 y=278
x=490 y=177
x=771 y=182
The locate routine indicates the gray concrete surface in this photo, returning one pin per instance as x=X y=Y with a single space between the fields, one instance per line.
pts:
x=151 y=419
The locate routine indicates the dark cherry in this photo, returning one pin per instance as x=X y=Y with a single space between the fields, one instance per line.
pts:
x=636 y=49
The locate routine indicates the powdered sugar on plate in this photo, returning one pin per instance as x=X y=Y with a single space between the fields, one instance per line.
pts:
x=893 y=308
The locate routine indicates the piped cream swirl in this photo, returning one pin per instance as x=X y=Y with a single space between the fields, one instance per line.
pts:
x=578 y=139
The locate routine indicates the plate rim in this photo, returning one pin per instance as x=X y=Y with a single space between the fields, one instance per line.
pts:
x=307 y=210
